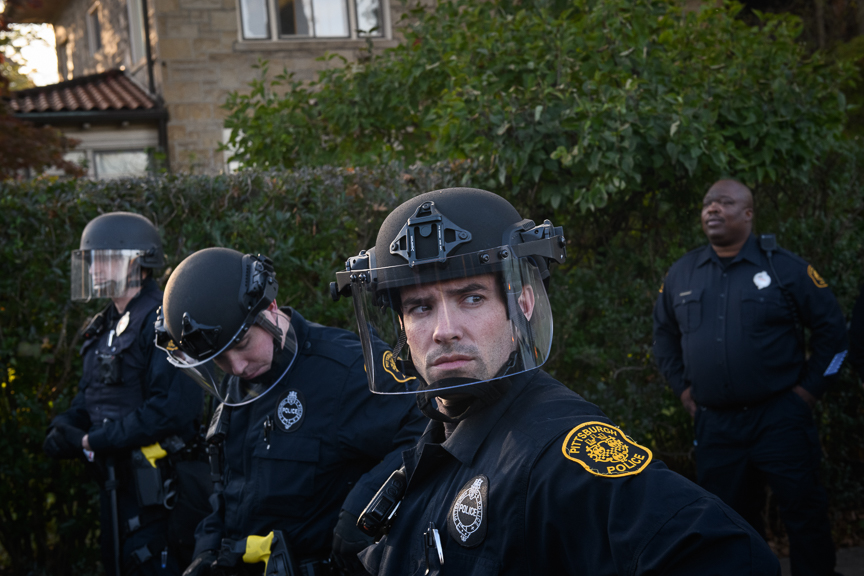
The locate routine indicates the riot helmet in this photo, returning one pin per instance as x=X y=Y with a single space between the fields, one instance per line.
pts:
x=114 y=248
x=456 y=287
x=220 y=303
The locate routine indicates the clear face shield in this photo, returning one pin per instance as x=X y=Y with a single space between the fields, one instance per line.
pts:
x=255 y=359
x=474 y=318
x=104 y=273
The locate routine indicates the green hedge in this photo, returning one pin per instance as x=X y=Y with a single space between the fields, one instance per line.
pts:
x=309 y=221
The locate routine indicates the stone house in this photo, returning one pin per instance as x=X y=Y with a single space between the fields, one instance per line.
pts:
x=185 y=56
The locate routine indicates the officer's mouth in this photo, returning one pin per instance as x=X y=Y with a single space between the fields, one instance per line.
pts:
x=714 y=222
x=451 y=362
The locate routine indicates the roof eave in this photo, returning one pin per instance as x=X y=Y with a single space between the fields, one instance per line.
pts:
x=93 y=116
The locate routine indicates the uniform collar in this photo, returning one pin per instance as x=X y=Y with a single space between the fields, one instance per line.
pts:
x=299 y=324
x=750 y=252
x=469 y=435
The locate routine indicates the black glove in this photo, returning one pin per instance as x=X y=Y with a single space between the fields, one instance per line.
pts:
x=73 y=435
x=57 y=446
x=348 y=541
x=200 y=566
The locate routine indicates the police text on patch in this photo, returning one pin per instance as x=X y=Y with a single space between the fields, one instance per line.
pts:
x=605 y=450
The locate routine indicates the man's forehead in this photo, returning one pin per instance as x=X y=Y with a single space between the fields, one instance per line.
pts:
x=484 y=281
x=728 y=189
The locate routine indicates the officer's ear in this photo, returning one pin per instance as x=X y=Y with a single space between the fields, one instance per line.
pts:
x=273 y=307
x=526 y=301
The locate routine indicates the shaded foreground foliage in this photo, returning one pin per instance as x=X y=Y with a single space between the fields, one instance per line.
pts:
x=308 y=221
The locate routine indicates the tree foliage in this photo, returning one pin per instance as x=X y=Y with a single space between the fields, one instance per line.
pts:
x=565 y=106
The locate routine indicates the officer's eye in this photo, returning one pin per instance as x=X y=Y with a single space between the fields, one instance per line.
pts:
x=418 y=309
x=474 y=299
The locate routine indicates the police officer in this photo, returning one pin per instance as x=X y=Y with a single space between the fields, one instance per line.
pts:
x=728 y=338
x=305 y=444
x=129 y=396
x=856 y=336
x=515 y=474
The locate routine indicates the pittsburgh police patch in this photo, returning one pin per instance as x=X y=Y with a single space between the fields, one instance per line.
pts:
x=468 y=514
x=290 y=411
x=603 y=450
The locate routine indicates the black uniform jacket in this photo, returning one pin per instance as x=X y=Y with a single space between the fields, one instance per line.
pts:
x=856 y=335
x=541 y=482
x=730 y=333
x=166 y=402
x=344 y=447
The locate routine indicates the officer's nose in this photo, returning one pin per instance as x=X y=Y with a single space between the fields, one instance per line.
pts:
x=231 y=362
x=447 y=325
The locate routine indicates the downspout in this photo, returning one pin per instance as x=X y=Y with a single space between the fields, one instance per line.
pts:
x=163 y=124
x=147 y=48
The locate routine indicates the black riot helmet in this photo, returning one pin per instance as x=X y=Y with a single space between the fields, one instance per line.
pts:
x=212 y=300
x=114 y=247
x=445 y=239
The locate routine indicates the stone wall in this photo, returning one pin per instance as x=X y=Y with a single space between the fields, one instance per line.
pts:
x=201 y=58
x=73 y=46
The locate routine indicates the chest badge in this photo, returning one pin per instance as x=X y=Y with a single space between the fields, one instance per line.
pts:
x=762 y=280
x=122 y=324
x=468 y=514
x=290 y=411
x=604 y=450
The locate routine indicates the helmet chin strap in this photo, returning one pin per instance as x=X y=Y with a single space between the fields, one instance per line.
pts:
x=474 y=397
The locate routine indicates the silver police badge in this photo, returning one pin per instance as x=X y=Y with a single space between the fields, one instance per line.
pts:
x=467 y=521
x=290 y=411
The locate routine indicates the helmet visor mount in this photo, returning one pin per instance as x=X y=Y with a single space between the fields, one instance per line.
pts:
x=464 y=320
x=104 y=273
x=231 y=389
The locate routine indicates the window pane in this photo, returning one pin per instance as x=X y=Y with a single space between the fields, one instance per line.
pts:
x=120 y=164
x=331 y=18
x=294 y=17
x=136 y=30
x=95 y=30
x=369 y=16
x=256 y=25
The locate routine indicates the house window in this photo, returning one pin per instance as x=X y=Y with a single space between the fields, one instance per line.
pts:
x=311 y=19
x=136 y=31
x=120 y=163
x=94 y=29
x=63 y=61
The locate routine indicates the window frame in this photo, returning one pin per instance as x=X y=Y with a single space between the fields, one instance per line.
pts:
x=94 y=33
x=351 y=20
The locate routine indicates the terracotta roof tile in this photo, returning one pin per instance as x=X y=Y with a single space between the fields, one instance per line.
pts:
x=111 y=90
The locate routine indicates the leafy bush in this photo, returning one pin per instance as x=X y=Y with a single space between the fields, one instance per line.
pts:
x=563 y=106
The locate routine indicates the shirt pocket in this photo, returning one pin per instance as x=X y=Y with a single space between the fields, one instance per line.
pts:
x=285 y=474
x=688 y=310
x=762 y=309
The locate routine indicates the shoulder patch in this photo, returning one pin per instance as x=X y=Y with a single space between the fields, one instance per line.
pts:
x=604 y=450
x=817 y=280
x=468 y=513
x=392 y=368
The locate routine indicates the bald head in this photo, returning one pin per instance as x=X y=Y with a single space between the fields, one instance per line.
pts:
x=727 y=216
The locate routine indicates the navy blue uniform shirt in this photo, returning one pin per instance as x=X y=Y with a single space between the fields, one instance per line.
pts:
x=856 y=335
x=542 y=482
x=730 y=334
x=172 y=401
x=297 y=479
